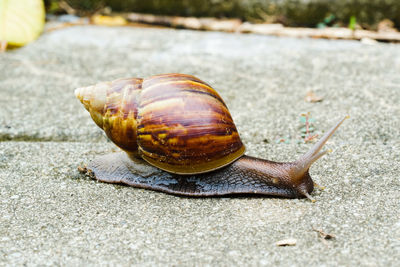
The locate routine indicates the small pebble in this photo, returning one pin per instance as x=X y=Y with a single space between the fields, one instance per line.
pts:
x=286 y=242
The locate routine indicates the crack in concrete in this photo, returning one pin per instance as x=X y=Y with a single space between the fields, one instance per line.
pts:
x=33 y=138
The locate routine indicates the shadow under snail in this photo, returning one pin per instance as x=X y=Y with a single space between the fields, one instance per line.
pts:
x=181 y=126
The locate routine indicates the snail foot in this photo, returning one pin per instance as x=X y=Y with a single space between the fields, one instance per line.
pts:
x=119 y=168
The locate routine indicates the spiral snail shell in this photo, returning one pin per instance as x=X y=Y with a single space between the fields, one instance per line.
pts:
x=181 y=125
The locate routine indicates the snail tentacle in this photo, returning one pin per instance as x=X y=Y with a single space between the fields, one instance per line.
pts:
x=302 y=165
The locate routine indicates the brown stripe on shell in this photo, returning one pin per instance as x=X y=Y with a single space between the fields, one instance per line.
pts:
x=161 y=78
x=133 y=83
x=150 y=122
x=181 y=131
x=173 y=89
x=187 y=105
x=190 y=151
x=181 y=136
x=193 y=168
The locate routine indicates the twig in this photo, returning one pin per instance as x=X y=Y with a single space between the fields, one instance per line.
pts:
x=64 y=5
x=324 y=236
x=235 y=25
x=308 y=137
x=210 y=24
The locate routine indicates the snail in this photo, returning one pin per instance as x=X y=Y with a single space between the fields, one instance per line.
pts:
x=181 y=127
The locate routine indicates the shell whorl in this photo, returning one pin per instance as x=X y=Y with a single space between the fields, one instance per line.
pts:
x=176 y=122
x=113 y=107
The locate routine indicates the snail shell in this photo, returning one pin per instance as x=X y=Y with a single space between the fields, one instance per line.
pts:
x=175 y=122
x=180 y=124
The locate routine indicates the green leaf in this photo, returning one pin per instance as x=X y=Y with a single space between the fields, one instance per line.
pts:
x=21 y=21
x=352 y=23
x=328 y=19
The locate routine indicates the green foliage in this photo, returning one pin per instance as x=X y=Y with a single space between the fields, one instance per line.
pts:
x=53 y=7
x=352 y=23
x=328 y=21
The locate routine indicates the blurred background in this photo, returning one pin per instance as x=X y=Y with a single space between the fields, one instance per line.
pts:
x=310 y=13
x=22 y=21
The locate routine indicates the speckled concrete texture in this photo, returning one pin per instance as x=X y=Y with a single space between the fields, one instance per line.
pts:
x=52 y=215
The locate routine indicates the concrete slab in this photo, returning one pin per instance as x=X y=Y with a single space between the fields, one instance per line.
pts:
x=53 y=215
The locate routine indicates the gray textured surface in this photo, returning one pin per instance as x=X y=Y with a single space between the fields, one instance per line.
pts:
x=52 y=215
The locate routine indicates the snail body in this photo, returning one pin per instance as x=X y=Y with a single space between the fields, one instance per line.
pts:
x=179 y=124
